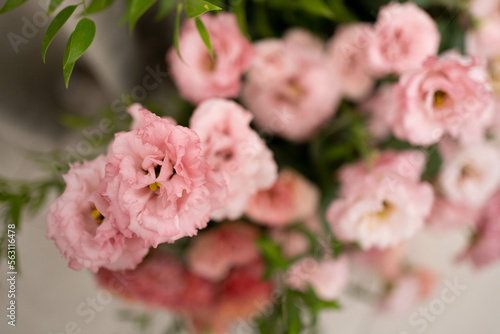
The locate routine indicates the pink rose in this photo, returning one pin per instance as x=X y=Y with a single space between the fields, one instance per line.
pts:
x=82 y=228
x=348 y=53
x=484 y=248
x=291 y=87
x=404 y=36
x=235 y=151
x=382 y=206
x=470 y=174
x=450 y=95
x=408 y=290
x=197 y=76
x=327 y=277
x=157 y=184
x=446 y=214
x=291 y=199
x=213 y=253
x=162 y=281
x=381 y=107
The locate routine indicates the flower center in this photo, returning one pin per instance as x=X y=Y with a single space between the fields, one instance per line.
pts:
x=97 y=216
x=440 y=98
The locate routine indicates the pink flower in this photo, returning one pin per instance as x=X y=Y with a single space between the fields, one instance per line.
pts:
x=470 y=174
x=382 y=107
x=388 y=262
x=484 y=248
x=293 y=242
x=484 y=8
x=291 y=199
x=327 y=277
x=235 y=151
x=162 y=281
x=450 y=95
x=446 y=214
x=82 y=228
x=291 y=87
x=404 y=36
x=157 y=184
x=348 y=53
x=484 y=39
x=197 y=76
x=408 y=290
x=214 y=253
x=384 y=205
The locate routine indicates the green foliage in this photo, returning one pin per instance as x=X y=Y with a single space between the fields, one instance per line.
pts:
x=195 y=8
x=11 y=4
x=53 y=6
x=204 y=36
x=135 y=9
x=98 y=5
x=176 y=30
x=165 y=7
x=54 y=27
x=78 y=43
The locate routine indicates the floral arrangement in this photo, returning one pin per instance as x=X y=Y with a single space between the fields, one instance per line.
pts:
x=309 y=154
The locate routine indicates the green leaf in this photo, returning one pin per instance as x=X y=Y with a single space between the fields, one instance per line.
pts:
x=177 y=28
x=135 y=9
x=11 y=4
x=55 y=26
x=204 y=36
x=164 y=8
x=195 y=8
x=53 y=6
x=238 y=7
x=317 y=7
x=98 y=5
x=78 y=43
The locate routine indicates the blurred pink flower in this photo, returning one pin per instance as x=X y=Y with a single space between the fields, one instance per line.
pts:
x=484 y=8
x=381 y=107
x=348 y=53
x=235 y=151
x=484 y=248
x=157 y=184
x=470 y=174
x=446 y=214
x=291 y=199
x=383 y=205
x=408 y=290
x=327 y=277
x=81 y=227
x=213 y=253
x=404 y=36
x=388 y=262
x=450 y=95
x=291 y=87
x=293 y=242
x=197 y=76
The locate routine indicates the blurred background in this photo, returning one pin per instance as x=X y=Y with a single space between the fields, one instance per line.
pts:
x=34 y=109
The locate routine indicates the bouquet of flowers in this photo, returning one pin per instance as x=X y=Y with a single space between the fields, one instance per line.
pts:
x=313 y=150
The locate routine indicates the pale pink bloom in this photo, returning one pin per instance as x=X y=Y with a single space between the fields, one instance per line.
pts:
x=404 y=36
x=348 y=53
x=327 y=277
x=384 y=205
x=235 y=151
x=293 y=242
x=291 y=87
x=197 y=76
x=446 y=214
x=291 y=199
x=381 y=107
x=470 y=174
x=484 y=39
x=157 y=184
x=484 y=8
x=484 y=248
x=450 y=95
x=82 y=228
x=408 y=290
x=388 y=263
x=213 y=253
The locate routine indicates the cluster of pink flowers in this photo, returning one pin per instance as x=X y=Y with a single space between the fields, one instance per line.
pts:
x=160 y=182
